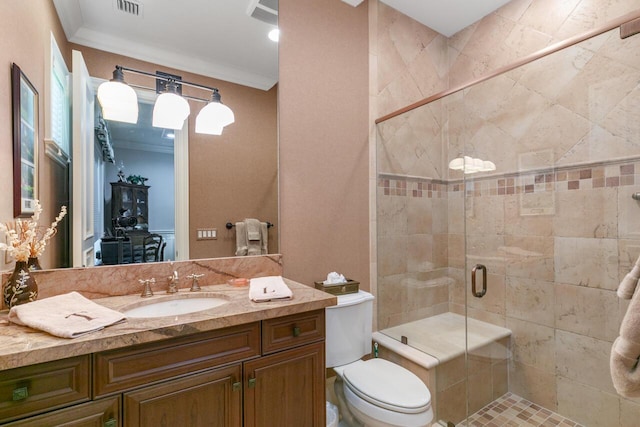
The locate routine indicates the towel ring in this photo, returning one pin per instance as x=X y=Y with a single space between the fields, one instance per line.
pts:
x=230 y=225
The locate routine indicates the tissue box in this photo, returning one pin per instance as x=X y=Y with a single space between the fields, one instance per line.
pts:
x=348 y=287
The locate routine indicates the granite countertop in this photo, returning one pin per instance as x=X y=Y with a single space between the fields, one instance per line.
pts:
x=21 y=345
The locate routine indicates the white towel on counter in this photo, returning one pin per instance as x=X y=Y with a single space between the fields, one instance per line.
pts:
x=270 y=288
x=68 y=315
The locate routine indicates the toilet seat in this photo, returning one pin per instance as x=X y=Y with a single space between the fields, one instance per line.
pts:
x=387 y=385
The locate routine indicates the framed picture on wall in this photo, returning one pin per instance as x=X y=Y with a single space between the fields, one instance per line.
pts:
x=25 y=143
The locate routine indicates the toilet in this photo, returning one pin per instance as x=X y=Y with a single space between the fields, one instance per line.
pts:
x=376 y=392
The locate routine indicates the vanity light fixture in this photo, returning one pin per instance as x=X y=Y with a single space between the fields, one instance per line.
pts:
x=119 y=102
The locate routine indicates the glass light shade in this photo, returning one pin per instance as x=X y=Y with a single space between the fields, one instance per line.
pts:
x=457 y=164
x=119 y=102
x=488 y=166
x=213 y=117
x=170 y=111
x=274 y=35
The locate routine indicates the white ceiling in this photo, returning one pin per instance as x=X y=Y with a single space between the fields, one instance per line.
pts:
x=446 y=16
x=215 y=38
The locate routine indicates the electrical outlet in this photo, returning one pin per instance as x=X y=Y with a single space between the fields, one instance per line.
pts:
x=206 y=234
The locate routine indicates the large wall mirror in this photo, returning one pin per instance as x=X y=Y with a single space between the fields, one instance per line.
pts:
x=230 y=177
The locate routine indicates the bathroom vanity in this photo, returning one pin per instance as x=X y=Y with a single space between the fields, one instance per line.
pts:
x=242 y=364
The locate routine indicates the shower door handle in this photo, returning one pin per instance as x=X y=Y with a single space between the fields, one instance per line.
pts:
x=483 y=291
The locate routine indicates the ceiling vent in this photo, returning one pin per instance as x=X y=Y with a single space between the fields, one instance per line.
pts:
x=129 y=7
x=264 y=10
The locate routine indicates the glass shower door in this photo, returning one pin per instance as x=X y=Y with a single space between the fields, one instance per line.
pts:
x=555 y=227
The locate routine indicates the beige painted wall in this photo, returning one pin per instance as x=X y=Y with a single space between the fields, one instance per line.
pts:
x=24 y=40
x=232 y=176
x=324 y=154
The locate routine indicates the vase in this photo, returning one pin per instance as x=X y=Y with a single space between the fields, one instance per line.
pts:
x=33 y=264
x=21 y=286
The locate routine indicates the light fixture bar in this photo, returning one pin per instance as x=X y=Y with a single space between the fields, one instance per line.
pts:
x=165 y=78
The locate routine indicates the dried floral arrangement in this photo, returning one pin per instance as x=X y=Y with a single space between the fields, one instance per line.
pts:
x=26 y=238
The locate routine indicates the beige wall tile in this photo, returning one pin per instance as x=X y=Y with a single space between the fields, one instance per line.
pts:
x=547 y=16
x=531 y=300
x=587 y=405
x=587 y=311
x=628 y=209
x=518 y=223
x=532 y=345
x=629 y=413
x=420 y=215
x=452 y=404
x=480 y=389
x=494 y=300
x=584 y=359
x=420 y=253
x=485 y=215
x=530 y=257
x=587 y=213
x=586 y=262
x=533 y=384
x=392 y=255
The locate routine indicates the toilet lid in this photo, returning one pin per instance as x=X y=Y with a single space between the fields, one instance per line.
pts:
x=388 y=385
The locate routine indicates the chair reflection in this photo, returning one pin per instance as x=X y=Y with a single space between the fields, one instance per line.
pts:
x=153 y=248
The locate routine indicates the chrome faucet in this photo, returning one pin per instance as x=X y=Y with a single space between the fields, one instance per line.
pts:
x=195 y=287
x=173 y=283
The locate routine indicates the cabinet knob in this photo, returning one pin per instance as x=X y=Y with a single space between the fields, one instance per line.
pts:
x=111 y=422
x=236 y=386
x=20 y=393
x=252 y=382
x=296 y=331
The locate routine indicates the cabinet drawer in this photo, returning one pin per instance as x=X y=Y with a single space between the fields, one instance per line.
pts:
x=291 y=331
x=124 y=369
x=103 y=412
x=33 y=389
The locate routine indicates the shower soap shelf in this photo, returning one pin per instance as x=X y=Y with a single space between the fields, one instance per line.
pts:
x=348 y=287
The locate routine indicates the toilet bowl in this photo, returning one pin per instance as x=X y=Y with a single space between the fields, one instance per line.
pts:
x=375 y=392
x=380 y=393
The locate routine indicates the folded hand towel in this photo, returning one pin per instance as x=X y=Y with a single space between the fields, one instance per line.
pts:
x=264 y=230
x=625 y=352
x=241 y=239
x=253 y=229
x=269 y=288
x=630 y=282
x=68 y=316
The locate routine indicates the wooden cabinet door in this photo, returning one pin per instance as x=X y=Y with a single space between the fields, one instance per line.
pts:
x=286 y=388
x=208 y=399
x=100 y=413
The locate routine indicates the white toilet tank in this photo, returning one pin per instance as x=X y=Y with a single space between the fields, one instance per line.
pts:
x=348 y=328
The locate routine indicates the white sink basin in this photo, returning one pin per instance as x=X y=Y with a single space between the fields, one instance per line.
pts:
x=174 y=305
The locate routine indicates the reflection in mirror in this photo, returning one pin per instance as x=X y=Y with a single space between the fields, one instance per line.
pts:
x=138 y=186
x=230 y=177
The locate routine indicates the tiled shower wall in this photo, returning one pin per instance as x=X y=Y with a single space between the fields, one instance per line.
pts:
x=555 y=225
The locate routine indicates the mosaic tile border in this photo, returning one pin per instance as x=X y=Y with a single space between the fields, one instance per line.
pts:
x=513 y=410
x=558 y=179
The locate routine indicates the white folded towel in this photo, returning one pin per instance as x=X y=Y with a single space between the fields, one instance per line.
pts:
x=68 y=315
x=269 y=288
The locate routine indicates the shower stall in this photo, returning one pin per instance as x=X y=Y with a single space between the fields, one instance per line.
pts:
x=505 y=222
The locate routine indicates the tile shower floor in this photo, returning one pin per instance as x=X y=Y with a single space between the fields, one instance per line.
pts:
x=512 y=410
